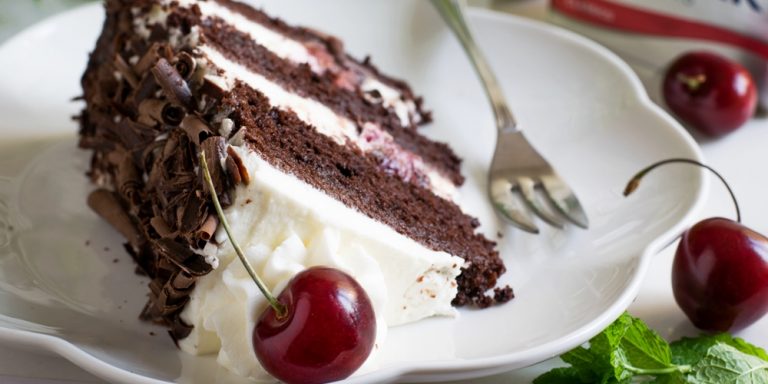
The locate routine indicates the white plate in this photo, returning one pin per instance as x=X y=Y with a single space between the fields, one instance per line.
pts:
x=60 y=289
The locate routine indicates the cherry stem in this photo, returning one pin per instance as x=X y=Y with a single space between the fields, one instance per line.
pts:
x=693 y=82
x=276 y=304
x=635 y=181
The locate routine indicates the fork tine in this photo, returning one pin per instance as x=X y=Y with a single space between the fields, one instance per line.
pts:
x=526 y=185
x=509 y=207
x=564 y=200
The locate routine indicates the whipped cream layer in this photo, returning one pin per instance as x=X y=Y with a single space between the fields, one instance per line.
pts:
x=370 y=139
x=285 y=225
x=408 y=166
x=299 y=52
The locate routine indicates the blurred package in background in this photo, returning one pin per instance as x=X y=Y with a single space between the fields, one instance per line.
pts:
x=650 y=34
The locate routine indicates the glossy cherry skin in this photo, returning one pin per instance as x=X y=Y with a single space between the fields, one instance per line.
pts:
x=710 y=92
x=328 y=331
x=720 y=275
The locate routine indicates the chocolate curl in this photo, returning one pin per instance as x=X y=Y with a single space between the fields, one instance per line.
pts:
x=132 y=134
x=126 y=71
x=153 y=54
x=150 y=153
x=119 y=96
x=182 y=280
x=174 y=293
x=145 y=90
x=173 y=85
x=208 y=228
x=164 y=266
x=183 y=257
x=214 y=148
x=241 y=168
x=153 y=111
x=192 y=215
x=186 y=65
x=128 y=179
x=171 y=144
x=162 y=301
x=173 y=115
x=197 y=130
x=162 y=228
x=151 y=312
x=106 y=205
x=179 y=329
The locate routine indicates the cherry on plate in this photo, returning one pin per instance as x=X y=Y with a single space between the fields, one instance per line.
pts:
x=326 y=332
x=320 y=328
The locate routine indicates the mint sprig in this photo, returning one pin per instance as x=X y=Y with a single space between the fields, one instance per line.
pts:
x=630 y=352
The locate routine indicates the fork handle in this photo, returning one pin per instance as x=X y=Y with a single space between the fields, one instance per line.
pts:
x=451 y=11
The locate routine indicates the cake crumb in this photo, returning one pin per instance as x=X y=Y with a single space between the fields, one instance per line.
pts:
x=87 y=243
x=151 y=333
x=106 y=249
x=115 y=260
x=499 y=234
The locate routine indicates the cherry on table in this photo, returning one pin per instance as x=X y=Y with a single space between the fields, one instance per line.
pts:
x=710 y=92
x=720 y=275
x=720 y=269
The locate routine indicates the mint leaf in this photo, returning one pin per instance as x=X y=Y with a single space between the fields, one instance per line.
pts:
x=725 y=364
x=644 y=348
x=610 y=359
x=583 y=362
x=673 y=378
x=743 y=346
x=567 y=375
x=628 y=349
x=690 y=350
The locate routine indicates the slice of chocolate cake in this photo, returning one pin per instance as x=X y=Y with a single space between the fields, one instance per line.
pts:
x=315 y=155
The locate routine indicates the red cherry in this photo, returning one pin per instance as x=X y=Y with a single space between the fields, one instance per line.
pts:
x=720 y=275
x=710 y=92
x=720 y=271
x=325 y=335
x=322 y=326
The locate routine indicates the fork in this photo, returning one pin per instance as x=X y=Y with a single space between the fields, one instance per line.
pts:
x=520 y=179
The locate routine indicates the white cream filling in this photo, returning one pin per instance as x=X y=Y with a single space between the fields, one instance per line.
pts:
x=391 y=98
x=328 y=123
x=294 y=51
x=279 y=44
x=285 y=226
x=325 y=120
x=312 y=112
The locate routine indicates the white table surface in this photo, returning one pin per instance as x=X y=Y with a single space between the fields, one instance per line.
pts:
x=741 y=157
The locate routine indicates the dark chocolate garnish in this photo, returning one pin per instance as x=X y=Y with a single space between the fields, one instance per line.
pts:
x=107 y=205
x=196 y=128
x=174 y=86
x=185 y=65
